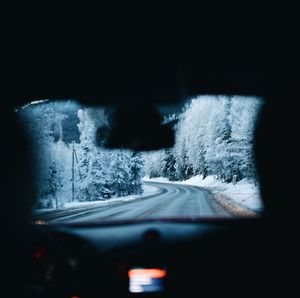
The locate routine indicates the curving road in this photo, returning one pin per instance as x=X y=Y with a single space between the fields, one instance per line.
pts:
x=172 y=201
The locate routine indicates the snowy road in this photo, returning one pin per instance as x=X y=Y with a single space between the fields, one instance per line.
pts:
x=172 y=201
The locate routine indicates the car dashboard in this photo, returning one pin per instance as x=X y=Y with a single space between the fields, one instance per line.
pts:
x=150 y=258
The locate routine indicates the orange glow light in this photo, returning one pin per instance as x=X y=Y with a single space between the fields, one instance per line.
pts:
x=147 y=273
x=40 y=222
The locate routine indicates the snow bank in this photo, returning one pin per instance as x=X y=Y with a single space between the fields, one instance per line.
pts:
x=243 y=193
x=157 y=179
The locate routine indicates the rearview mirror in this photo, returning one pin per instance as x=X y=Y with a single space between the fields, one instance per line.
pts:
x=137 y=127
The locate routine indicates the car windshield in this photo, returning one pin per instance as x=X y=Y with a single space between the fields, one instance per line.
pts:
x=208 y=173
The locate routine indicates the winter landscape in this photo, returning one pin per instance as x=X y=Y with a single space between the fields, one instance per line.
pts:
x=213 y=153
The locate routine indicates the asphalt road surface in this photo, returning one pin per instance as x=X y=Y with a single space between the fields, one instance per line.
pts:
x=172 y=201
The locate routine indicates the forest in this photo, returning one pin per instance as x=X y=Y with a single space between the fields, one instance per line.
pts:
x=213 y=137
x=70 y=166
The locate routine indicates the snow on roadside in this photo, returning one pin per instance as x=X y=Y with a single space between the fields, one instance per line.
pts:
x=243 y=193
x=157 y=179
x=147 y=191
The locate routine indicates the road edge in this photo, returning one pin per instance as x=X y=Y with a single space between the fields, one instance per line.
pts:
x=80 y=210
x=231 y=206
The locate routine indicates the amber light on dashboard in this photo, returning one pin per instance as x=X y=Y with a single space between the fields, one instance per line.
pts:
x=146 y=280
x=40 y=222
x=150 y=273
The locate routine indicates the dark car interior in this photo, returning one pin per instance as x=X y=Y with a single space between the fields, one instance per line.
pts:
x=132 y=61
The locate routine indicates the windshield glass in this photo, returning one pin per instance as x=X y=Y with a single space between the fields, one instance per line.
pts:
x=209 y=173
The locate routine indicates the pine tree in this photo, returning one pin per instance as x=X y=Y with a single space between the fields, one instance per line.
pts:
x=214 y=136
x=218 y=140
x=136 y=169
x=53 y=186
x=168 y=165
x=119 y=173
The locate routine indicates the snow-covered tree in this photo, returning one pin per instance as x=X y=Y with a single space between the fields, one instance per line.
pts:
x=191 y=133
x=217 y=141
x=214 y=136
x=136 y=168
x=104 y=173
x=168 y=165
x=93 y=163
x=54 y=184
x=243 y=116
x=44 y=125
x=152 y=163
x=61 y=129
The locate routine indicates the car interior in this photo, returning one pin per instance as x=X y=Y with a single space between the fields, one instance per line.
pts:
x=135 y=62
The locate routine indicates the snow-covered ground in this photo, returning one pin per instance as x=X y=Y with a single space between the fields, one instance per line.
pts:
x=147 y=191
x=243 y=193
